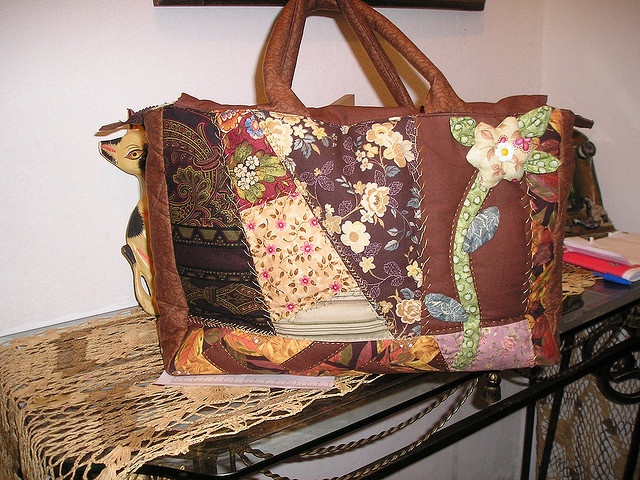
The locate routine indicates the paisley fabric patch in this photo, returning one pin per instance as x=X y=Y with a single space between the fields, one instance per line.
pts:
x=209 y=246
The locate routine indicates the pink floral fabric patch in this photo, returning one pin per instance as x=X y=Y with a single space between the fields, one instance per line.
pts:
x=499 y=347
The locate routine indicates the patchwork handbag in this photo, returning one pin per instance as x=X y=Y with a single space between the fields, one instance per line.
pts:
x=322 y=241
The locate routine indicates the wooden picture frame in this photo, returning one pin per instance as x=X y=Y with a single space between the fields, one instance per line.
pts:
x=474 y=5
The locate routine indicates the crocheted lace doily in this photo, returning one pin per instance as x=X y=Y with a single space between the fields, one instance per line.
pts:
x=85 y=395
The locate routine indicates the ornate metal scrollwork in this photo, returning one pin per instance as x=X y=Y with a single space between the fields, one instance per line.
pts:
x=618 y=379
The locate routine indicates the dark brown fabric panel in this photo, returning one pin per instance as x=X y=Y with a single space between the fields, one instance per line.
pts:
x=508 y=106
x=501 y=267
x=443 y=177
x=208 y=257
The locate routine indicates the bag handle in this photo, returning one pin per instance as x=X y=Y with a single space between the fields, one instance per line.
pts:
x=284 y=44
x=287 y=36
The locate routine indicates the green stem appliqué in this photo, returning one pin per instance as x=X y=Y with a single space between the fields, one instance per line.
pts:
x=463 y=275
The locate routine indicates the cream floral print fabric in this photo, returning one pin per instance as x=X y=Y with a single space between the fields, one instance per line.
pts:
x=296 y=265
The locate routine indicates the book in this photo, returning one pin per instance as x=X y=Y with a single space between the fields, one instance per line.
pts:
x=610 y=270
x=615 y=257
x=619 y=247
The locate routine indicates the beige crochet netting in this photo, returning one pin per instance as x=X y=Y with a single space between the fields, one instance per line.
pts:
x=85 y=395
x=593 y=433
x=575 y=280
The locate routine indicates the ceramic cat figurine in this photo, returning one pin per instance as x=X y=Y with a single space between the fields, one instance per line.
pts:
x=129 y=154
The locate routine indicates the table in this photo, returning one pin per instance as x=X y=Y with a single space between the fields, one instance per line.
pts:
x=600 y=337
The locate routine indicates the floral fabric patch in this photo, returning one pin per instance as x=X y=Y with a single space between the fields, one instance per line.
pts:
x=361 y=184
x=361 y=181
x=499 y=347
x=296 y=265
x=256 y=171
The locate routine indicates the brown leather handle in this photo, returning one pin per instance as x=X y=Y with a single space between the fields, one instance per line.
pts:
x=292 y=21
x=284 y=44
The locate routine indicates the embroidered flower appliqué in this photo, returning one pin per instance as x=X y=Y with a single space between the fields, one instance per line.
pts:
x=499 y=153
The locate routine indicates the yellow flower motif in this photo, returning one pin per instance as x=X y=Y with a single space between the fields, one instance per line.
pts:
x=359 y=187
x=378 y=133
x=415 y=272
x=279 y=136
x=299 y=131
x=287 y=118
x=367 y=264
x=499 y=153
x=366 y=165
x=385 y=306
x=370 y=150
x=374 y=201
x=409 y=311
x=398 y=149
x=332 y=223
x=316 y=130
x=355 y=236
x=319 y=133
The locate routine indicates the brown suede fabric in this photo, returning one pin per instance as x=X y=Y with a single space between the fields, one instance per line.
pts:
x=284 y=43
x=172 y=307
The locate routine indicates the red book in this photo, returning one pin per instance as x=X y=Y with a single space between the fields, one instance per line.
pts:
x=595 y=264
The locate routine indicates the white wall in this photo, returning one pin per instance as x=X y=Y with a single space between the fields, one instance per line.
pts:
x=590 y=64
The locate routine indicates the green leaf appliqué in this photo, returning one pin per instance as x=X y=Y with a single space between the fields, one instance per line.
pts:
x=482 y=228
x=463 y=130
x=534 y=123
x=445 y=308
x=541 y=162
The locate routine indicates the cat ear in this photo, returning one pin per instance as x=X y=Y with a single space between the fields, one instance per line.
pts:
x=133 y=119
x=137 y=118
